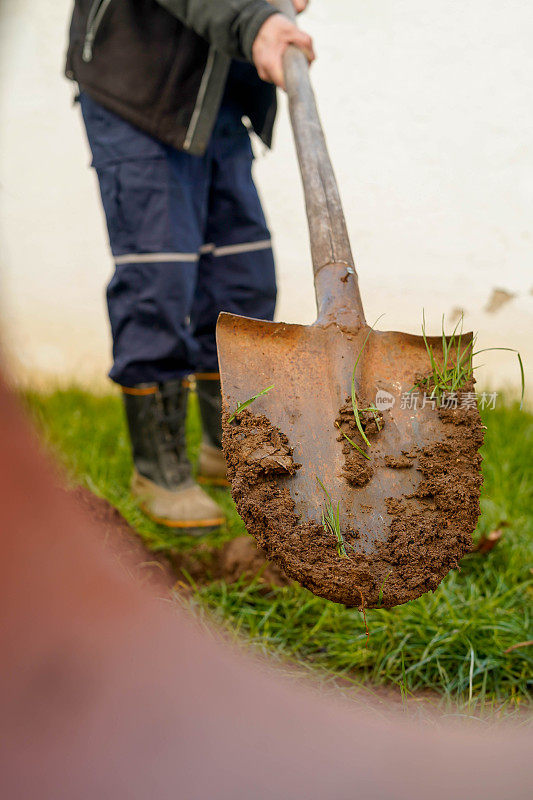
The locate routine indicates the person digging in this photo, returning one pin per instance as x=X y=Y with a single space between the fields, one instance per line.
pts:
x=163 y=88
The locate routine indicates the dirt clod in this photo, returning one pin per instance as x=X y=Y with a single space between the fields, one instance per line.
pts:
x=398 y=462
x=431 y=530
x=238 y=559
x=358 y=469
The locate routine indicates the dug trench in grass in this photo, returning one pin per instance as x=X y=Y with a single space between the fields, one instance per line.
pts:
x=236 y=559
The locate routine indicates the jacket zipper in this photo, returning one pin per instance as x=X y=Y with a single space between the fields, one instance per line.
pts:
x=96 y=13
x=198 y=106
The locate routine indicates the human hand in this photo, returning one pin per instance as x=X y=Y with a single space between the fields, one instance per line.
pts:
x=273 y=38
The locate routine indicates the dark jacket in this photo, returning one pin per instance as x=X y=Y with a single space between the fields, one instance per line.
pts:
x=163 y=66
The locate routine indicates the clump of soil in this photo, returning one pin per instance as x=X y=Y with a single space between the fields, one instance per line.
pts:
x=237 y=559
x=262 y=449
x=357 y=469
x=305 y=551
x=430 y=530
x=398 y=462
x=242 y=558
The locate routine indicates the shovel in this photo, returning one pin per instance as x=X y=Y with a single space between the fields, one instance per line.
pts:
x=370 y=530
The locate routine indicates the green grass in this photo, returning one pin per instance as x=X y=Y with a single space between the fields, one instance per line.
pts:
x=331 y=522
x=452 y=641
x=456 y=367
x=242 y=406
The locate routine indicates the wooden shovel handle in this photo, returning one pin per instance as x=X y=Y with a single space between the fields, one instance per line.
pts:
x=336 y=285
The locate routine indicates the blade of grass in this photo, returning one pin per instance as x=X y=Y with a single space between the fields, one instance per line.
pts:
x=331 y=521
x=248 y=402
x=380 y=595
x=356 y=446
x=451 y=376
x=520 y=364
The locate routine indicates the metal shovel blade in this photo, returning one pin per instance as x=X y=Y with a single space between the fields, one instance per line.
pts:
x=310 y=368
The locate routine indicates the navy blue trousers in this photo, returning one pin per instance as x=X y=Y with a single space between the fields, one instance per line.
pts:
x=188 y=238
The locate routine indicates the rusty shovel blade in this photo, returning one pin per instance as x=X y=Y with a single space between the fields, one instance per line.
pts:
x=380 y=532
x=310 y=368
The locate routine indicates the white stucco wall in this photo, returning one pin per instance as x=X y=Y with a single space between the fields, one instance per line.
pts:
x=428 y=112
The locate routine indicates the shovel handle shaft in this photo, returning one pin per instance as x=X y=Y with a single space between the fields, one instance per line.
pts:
x=335 y=277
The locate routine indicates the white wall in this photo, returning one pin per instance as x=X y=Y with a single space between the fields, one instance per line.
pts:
x=428 y=112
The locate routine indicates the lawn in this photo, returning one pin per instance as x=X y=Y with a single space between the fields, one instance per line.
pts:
x=452 y=642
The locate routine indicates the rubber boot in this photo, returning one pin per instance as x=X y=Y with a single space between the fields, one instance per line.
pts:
x=162 y=478
x=211 y=462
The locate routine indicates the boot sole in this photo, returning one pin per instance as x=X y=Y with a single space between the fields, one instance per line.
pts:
x=212 y=481
x=216 y=522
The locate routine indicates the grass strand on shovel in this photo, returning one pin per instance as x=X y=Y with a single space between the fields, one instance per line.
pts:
x=355 y=407
x=454 y=372
x=359 y=449
x=248 y=402
x=520 y=364
x=331 y=522
x=380 y=595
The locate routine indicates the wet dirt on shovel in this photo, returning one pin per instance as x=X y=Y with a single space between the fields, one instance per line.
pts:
x=358 y=468
x=429 y=531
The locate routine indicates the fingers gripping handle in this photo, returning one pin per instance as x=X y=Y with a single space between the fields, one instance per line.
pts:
x=336 y=285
